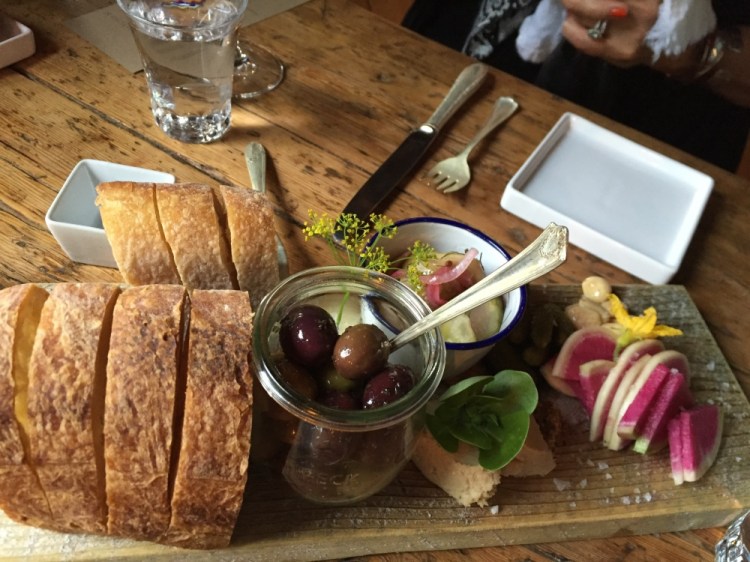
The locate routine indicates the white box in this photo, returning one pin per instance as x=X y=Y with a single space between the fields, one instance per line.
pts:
x=621 y=201
x=16 y=41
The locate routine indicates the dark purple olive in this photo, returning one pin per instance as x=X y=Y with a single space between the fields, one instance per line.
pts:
x=307 y=335
x=339 y=399
x=387 y=386
x=360 y=351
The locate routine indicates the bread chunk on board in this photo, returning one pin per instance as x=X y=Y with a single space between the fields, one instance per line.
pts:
x=191 y=226
x=21 y=495
x=215 y=441
x=142 y=382
x=253 y=240
x=65 y=402
x=130 y=218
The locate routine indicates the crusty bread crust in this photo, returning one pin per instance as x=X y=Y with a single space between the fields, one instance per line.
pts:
x=191 y=226
x=140 y=399
x=215 y=439
x=130 y=218
x=66 y=372
x=253 y=240
x=21 y=495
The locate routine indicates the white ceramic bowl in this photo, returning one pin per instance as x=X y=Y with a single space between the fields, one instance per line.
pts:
x=451 y=236
x=16 y=41
x=73 y=218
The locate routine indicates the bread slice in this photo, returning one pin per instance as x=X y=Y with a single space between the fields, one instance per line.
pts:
x=252 y=240
x=142 y=374
x=131 y=222
x=464 y=481
x=215 y=442
x=460 y=475
x=21 y=495
x=190 y=223
x=65 y=402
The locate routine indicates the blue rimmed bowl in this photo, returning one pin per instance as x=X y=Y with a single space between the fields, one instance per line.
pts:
x=447 y=235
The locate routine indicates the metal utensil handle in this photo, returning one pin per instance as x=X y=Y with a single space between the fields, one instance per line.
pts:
x=465 y=85
x=504 y=108
x=542 y=256
x=255 y=155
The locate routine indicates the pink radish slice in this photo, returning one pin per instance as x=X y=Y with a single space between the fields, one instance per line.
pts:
x=674 y=429
x=567 y=387
x=611 y=439
x=582 y=346
x=641 y=397
x=701 y=429
x=673 y=396
x=592 y=377
x=603 y=402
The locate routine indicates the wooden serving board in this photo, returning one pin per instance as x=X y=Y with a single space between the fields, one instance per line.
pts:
x=593 y=492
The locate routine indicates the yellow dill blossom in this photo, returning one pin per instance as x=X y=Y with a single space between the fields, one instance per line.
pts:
x=636 y=328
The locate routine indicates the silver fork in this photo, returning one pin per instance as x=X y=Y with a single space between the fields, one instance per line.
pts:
x=453 y=173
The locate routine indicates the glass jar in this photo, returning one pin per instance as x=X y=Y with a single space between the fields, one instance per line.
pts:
x=330 y=455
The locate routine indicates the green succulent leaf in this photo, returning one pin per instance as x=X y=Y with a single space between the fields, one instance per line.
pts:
x=462 y=391
x=515 y=430
x=489 y=413
x=442 y=434
x=515 y=386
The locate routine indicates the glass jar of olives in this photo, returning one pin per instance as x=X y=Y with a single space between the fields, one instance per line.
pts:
x=347 y=412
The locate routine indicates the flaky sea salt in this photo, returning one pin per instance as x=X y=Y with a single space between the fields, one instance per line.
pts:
x=608 y=476
x=601 y=465
x=626 y=500
x=648 y=497
x=583 y=483
x=711 y=365
x=561 y=484
x=495 y=509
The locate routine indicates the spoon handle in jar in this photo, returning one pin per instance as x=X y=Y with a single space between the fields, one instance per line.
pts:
x=541 y=256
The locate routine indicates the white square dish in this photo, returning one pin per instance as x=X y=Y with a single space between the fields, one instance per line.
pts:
x=74 y=219
x=16 y=41
x=621 y=201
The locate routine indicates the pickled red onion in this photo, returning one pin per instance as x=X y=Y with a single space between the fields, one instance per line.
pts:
x=445 y=274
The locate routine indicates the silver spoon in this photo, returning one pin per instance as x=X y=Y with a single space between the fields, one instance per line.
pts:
x=541 y=256
x=255 y=158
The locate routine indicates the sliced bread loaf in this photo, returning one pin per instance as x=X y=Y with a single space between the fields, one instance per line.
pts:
x=66 y=399
x=142 y=380
x=215 y=438
x=21 y=495
x=253 y=240
x=195 y=236
x=131 y=221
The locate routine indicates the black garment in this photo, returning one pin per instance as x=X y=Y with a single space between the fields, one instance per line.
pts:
x=686 y=116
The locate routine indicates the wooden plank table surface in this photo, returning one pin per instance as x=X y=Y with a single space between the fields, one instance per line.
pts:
x=355 y=85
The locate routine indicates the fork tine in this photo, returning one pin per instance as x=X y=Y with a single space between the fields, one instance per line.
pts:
x=455 y=187
x=431 y=176
x=445 y=184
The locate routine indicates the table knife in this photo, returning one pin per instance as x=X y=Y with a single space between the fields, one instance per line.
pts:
x=398 y=165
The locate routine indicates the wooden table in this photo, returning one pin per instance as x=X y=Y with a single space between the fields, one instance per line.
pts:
x=356 y=85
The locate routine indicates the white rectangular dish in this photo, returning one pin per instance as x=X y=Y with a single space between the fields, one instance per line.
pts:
x=16 y=41
x=621 y=201
x=74 y=219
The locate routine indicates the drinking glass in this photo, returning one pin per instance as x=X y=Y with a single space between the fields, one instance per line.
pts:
x=187 y=48
x=256 y=70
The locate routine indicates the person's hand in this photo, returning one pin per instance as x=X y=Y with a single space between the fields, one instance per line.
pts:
x=627 y=27
x=622 y=44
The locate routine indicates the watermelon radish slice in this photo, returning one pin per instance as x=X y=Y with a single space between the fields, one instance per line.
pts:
x=700 y=429
x=592 y=377
x=582 y=346
x=672 y=397
x=611 y=439
x=568 y=388
x=639 y=400
x=674 y=430
x=628 y=356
